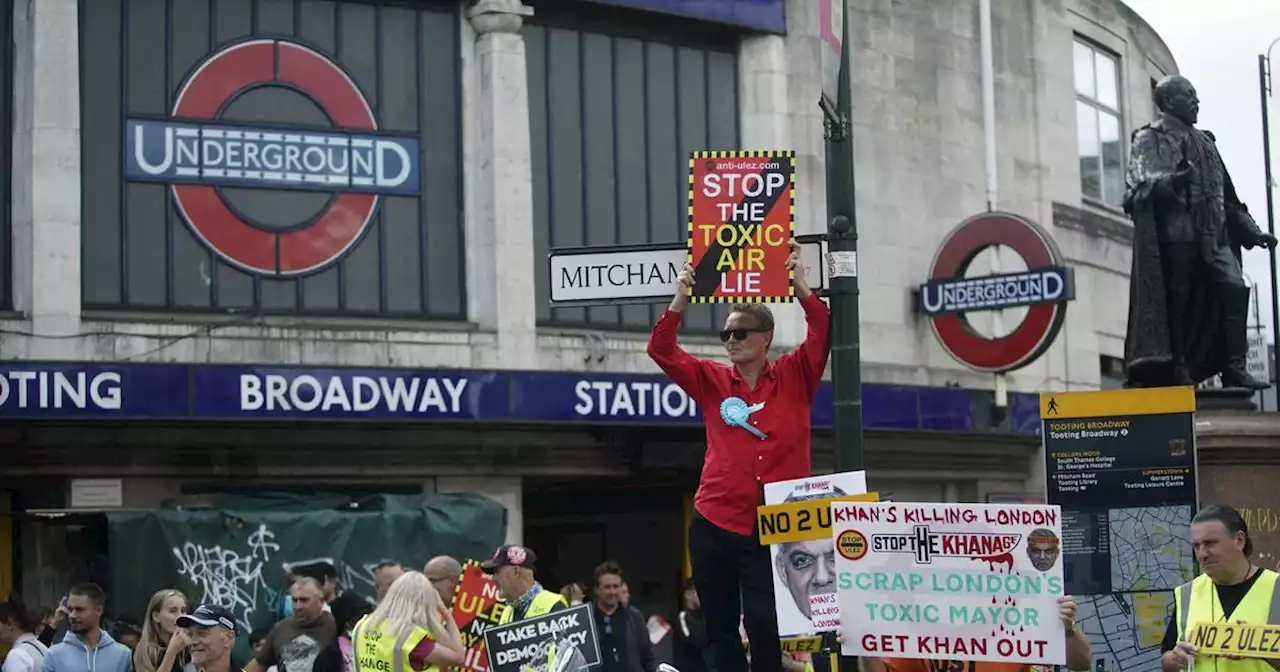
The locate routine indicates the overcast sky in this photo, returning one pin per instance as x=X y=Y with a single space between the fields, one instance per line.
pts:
x=1216 y=45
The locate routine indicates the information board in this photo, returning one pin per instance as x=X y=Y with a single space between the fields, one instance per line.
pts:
x=742 y=208
x=1122 y=465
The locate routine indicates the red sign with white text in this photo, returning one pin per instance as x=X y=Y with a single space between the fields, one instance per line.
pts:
x=476 y=608
x=741 y=220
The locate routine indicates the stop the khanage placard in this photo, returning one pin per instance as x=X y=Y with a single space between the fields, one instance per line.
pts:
x=950 y=581
x=741 y=218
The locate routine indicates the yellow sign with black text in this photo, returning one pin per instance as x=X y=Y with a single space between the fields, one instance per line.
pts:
x=805 y=520
x=802 y=645
x=1238 y=639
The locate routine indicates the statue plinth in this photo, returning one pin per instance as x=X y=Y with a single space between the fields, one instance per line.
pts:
x=1225 y=399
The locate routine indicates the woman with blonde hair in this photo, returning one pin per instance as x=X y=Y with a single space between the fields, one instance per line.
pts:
x=157 y=651
x=410 y=627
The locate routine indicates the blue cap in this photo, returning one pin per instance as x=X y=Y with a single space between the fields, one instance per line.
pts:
x=209 y=616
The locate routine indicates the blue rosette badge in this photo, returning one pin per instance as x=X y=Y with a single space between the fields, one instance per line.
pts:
x=736 y=413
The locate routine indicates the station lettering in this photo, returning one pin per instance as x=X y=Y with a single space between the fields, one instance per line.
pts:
x=307 y=393
x=58 y=389
x=632 y=399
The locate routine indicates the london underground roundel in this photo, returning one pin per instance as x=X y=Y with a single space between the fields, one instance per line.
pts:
x=1044 y=288
x=199 y=154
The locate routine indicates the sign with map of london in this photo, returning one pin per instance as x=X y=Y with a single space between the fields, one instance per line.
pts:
x=1122 y=465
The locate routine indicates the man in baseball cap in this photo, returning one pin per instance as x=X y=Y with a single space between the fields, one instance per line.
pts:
x=211 y=634
x=512 y=568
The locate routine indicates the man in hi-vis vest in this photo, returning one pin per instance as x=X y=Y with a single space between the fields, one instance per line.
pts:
x=1231 y=590
x=512 y=568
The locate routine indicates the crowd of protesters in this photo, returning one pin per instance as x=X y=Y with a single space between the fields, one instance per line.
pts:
x=318 y=621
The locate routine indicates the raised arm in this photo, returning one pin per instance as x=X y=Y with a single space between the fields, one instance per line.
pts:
x=682 y=368
x=811 y=357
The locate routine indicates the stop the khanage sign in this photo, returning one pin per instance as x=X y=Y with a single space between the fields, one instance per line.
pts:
x=742 y=211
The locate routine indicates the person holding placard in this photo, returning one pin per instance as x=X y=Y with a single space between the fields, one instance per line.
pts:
x=1232 y=589
x=757 y=417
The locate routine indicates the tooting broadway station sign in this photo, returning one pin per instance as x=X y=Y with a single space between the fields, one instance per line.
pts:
x=1045 y=288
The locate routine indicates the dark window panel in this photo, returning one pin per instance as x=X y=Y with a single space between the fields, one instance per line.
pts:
x=101 y=34
x=441 y=129
x=535 y=42
x=6 y=151
x=564 y=138
x=598 y=160
x=274 y=17
x=145 y=240
x=632 y=158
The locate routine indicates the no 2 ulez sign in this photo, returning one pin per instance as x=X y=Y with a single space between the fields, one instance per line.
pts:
x=741 y=219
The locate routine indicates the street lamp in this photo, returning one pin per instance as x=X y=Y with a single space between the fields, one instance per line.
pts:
x=1264 y=88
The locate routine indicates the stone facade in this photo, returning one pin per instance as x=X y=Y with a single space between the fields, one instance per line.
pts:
x=919 y=168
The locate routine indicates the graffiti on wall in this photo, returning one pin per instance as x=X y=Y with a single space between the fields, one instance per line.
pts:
x=238 y=578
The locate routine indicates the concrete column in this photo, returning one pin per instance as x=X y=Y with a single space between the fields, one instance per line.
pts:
x=46 y=170
x=505 y=490
x=500 y=232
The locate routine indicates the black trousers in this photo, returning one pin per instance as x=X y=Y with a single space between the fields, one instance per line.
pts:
x=734 y=577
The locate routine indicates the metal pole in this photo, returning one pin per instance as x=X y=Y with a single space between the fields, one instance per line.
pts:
x=1264 y=88
x=842 y=244
x=846 y=349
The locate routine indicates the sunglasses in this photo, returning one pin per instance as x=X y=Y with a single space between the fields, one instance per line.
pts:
x=739 y=334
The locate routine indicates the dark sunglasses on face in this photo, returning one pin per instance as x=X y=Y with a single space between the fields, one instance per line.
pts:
x=739 y=334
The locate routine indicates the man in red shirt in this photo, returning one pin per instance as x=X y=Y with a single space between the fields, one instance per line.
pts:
x=757 y=416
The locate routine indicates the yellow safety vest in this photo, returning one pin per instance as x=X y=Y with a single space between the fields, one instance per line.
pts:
x=1197 y=602
x=372 y=650
x=543 y=603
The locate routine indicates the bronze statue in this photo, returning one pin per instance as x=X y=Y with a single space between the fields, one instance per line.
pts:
x=1188 y=301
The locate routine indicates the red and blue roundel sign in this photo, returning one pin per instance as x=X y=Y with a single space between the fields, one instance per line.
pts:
x=198 y=153
x=1045 y=288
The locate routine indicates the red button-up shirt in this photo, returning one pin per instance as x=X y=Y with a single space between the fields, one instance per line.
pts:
x=737 y=463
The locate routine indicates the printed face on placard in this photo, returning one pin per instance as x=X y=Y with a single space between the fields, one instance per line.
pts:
x=807 y=568
x=980 y=582
x=804 y=571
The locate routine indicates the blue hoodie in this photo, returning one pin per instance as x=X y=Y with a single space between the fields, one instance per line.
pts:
x=71 y=655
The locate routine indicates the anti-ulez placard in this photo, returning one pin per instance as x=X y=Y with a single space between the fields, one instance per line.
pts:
x=742 y=211
x=476 y=608
x=1237 y=639
x=949 y=581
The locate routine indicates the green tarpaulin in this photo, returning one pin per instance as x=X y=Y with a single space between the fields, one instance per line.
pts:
x=238 y=557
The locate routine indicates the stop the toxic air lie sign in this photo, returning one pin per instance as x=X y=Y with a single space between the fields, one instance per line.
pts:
x=742 y=210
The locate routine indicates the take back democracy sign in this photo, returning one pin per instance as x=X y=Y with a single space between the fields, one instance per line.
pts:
x=476 y=609
x=741 y=219
x=950 y=582
x=524 y=645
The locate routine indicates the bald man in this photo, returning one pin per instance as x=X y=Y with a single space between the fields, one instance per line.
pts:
x=384 y=575
x=293 y=643
x=443 y=571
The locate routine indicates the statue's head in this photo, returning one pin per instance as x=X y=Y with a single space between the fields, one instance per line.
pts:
x=1176 y=97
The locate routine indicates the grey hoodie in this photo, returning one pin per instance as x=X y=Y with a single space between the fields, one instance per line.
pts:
x=71 y=655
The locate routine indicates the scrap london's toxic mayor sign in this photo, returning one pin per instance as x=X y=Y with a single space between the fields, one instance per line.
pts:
x=949 y=581
x=741 y=216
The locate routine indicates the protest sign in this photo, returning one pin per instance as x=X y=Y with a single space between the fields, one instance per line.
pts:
x=1238 y=639
x=524 y=645
x=796 y=522
x=476 y=609
x=954 y=582
x=741 y=219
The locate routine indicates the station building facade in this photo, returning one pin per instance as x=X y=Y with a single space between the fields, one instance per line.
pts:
x=301 y=244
